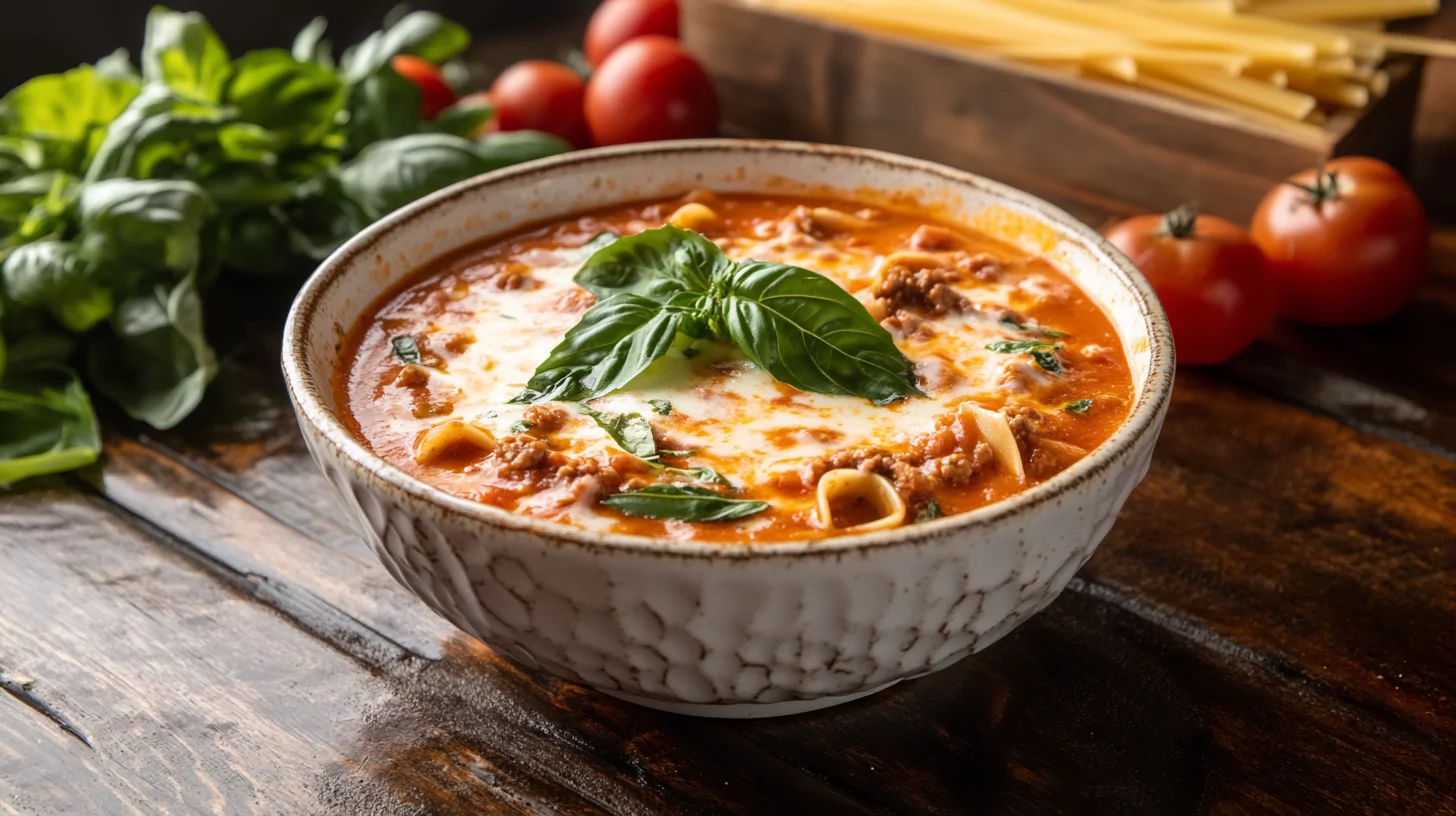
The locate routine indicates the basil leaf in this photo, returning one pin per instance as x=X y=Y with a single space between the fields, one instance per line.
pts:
x=929 y=512
x=1017 y=346
x=423 y=34
x=46 y=423
x=406 y=348
x=67 y=114
x=806 y=331
x=504 y=149
x=182 y=52
x=616 y=339
x=1047 y=360
x=631 y=432
x=465 y=117
x=310 y=45
x=702 y=473
x=1081 y=406
x=158 y=364
x=520 y=426
x=391 y=174
x=291 y=98
x=678 y=453
x=1041 y=330
x=661 y=407
x=657 y=263
x=155 y=224
x=600 y=240
x=157 y=134
x=682 y=503
x=62 y=278
x=382 y=105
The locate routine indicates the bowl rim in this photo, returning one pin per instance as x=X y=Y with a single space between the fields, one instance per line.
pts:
x=1147 y=411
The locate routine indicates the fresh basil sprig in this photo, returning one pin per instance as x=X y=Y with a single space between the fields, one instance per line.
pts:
x=1040 y=352
x=682 y=503
x=1081 y=406
x=406 y=348
x=631 y=432
x=797 y=325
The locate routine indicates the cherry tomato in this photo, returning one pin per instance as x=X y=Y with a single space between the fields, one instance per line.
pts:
x=435 y=93
x=1209 y=275
x=647 y=90
x=1346 y=245
x=541 y=95
x=617 y=21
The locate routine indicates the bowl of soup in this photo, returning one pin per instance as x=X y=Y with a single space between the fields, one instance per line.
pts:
x=731 y=428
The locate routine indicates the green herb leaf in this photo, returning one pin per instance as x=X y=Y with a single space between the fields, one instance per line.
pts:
x=631 y=432
x=677 y=453
x=682 y=503
x=1017 y=346
x=310 y=45
x=661 y=406
x=465 y=117
x=182 y=52
x=929 y=512
x=808 y=332
x=158 y=134
x=295 y=99
x=701 y=473
x=1079 y=407
x=60 y=277
x=1041 y=330
x=155 y=225
x=382 y=105
x=158 y=364
x=1047 y=360
x=657 y=263
x=406 y=348
x=520 y=426
x=422 y=34
x=391 y=174
x=615 y=341
x=499 y=150
x=46 y=423
x=67 y=114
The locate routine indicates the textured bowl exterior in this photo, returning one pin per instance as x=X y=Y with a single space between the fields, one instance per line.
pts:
x=710 y=629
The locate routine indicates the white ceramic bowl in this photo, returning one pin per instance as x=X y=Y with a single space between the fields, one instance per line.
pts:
x=708 y=629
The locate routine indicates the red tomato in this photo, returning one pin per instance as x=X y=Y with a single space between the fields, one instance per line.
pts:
x=1209 y=276
x=435 y=93
x=648 y=90
x=617 y=21
x=1347 y=244
x=541 y=95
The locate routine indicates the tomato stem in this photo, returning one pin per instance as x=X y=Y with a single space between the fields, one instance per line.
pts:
x=1180 y=221
x=1325 y=188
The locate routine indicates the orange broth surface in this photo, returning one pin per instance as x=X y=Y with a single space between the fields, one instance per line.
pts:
x=484 y=317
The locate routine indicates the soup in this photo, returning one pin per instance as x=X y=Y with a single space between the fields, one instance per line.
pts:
x=736 y=368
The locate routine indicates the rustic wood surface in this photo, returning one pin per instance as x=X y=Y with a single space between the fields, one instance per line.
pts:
x=192 y=627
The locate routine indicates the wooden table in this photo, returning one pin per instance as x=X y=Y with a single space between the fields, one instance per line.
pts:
x=191 y=626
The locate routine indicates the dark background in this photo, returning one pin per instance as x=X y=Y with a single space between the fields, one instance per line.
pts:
x=47 y=36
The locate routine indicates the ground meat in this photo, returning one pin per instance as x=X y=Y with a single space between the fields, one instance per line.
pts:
x=515 y=455
x=908 y=325
x=1025 y=422
x=958 y=469
x=546 y=419
x=932 y=238
x=926 y=290
x=982 y=267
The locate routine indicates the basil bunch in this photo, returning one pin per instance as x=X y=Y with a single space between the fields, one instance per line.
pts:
x=124 y=192
x=797 y=325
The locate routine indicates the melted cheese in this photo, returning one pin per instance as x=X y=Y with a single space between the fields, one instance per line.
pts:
x=519 y=303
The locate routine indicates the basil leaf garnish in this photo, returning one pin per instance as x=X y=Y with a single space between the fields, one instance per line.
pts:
x=655 y=263
x=806 y=331
x=631 y=432
x=520 y=426
x=929 y=512
x=406 y=349
x=616 y=339
x=669 y=452
x=1079 y=407
x=798 y=325
x=1017 y=346
x=1041 y=330
x=661 y=407
x=702 y=473
x=682 y=503
x=1047 y=360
